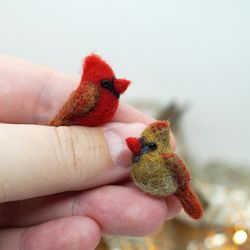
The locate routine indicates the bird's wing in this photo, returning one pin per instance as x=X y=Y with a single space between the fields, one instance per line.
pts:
x=187 y=197
x=80 y=102
x=179 y=168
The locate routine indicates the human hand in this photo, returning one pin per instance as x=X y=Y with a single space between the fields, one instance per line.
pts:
x=62 y=187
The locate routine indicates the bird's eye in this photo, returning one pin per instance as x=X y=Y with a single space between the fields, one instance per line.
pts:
x=152 y=146
x=108 y=84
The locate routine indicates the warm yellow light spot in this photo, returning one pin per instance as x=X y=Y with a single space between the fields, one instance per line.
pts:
x=239 y=237
x=150 y=244
x=152 y=247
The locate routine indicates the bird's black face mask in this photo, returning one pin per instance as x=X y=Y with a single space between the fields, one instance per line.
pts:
x=145 y=148
x=110 y=85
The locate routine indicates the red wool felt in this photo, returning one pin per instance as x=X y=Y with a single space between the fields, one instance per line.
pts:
x=134 y=145
x=178 y=166
x=95 y=69
x=190 y=202
x=159 y=125
x=188 y=199
x=168 y=155
x=96 y=99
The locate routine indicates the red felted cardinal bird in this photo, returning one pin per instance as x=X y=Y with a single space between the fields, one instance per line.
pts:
x=160 y=172
x=96 y=99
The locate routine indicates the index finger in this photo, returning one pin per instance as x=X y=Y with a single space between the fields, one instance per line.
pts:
x=34 y=94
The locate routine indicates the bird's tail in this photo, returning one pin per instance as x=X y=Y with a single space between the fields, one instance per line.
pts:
x=190 y=203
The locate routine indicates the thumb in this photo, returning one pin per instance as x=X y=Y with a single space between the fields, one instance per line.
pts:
x=40 y=160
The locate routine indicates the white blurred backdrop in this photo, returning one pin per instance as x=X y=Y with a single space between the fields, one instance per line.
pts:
x=195 y=52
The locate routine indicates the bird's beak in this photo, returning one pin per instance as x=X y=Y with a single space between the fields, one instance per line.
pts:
x=134 y=145
x=121 y=85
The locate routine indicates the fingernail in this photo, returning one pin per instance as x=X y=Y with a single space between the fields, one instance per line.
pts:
x=115 y=135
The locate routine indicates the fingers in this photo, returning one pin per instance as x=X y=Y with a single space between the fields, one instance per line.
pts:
x=40 y=160
x=127 y=114
x=30 y=93
x=34 y=94
x=117 y=209
x=174 y=206
x=65 y=233
x=135 y=213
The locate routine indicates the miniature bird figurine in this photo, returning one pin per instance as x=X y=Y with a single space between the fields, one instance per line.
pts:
x=96 y=99
x=157 y=170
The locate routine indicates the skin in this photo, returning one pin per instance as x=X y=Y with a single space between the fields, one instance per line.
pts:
x=58 y=197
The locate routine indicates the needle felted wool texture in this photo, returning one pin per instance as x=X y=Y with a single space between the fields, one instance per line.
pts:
x=96 y=99
x=157 y=170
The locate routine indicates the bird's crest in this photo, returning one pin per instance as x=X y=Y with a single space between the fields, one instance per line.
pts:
x=96 y=69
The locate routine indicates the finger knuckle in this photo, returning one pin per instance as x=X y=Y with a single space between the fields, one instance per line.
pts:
x=66 y=150
x=76 y=150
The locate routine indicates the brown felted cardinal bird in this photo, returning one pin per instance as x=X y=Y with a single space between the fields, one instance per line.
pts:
x=157 y=170
x=96 y=99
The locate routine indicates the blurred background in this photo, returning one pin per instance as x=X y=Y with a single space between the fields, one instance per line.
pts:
x=190 y=63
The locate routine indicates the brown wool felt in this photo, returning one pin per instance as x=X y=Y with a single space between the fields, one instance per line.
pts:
x=157 y=170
